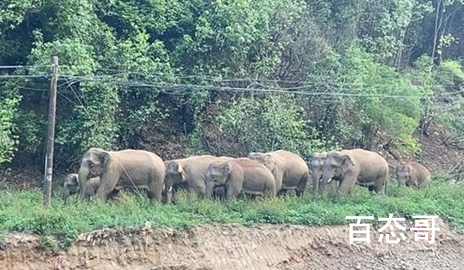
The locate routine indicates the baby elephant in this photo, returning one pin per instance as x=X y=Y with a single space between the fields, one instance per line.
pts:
x=413 y=174
x=240 y=175
x=71 y=187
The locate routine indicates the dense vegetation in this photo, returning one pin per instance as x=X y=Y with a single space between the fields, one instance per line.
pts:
x=228 y=77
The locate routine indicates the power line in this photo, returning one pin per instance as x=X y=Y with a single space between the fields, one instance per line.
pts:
x=19 y=66
x=23 y=76
x=183 y=88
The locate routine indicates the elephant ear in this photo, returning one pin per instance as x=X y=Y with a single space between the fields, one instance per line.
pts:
x=180 y=170
x=347 y=162
x=75 y=179
x=72 y=180
x=104 y=159
x=227 y=168
x=171 y=166
x=269 y=161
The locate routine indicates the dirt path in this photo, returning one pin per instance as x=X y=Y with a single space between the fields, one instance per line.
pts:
x=236 y=247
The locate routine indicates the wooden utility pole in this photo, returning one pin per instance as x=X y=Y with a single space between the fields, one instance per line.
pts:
x=47 y=192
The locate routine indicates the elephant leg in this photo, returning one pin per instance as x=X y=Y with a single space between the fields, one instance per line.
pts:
x=334 y=185
x=155 y=189
x=315 y=186
x=344 y=188
x=219 y=193
x=107 y=185
x=379 y=186
x=199 y=189
x=282 y=192
x=300 y=188
x=231 y=193
x=113 y=194
x=346 y=185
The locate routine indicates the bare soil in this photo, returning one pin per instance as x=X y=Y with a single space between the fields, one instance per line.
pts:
x=232 y=247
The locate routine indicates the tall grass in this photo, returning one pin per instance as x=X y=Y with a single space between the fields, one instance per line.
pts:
x=22 y=210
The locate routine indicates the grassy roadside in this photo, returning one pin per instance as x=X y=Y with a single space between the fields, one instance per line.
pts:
x=22 y=210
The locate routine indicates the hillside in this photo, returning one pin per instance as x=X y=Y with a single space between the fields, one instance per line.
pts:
x=227 y=78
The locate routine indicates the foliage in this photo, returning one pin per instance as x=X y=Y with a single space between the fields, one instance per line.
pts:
x=442 y=100
x=8 y=107
x=261 y=124
x=391 y=105
x=67 y=221
x=372 y=102
x=137 y=73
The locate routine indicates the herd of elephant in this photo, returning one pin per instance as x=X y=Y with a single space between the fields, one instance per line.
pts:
x=104 y=173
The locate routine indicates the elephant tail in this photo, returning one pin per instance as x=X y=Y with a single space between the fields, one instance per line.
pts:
x=386 y=185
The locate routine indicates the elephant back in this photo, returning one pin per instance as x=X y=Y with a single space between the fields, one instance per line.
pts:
x=291 y=164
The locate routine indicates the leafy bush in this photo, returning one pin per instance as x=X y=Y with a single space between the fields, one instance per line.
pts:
x=371 y=102
x=443 y=100
x=260 y=124
x=8 y=139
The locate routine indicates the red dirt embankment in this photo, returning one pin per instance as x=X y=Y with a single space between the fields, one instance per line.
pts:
x=236 y=247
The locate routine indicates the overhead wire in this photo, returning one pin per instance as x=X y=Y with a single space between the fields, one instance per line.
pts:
x=167 y=87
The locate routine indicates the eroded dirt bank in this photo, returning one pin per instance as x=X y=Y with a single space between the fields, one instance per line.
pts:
x=235 y=247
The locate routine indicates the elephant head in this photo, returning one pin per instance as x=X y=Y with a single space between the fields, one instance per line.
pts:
x=70 y=186
x=93 y=164
x=216 y=175
x=175 y=175
x=403 y=173
x=316 y=164
x=335 y=166
x=266 y=159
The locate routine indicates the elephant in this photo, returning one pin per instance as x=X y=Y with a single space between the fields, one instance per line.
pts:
x=290 y=171
x=240 y=175
x=125 y=168
x=71 y=187
x=355 y=166
x=413 y=174
x=316 y=164
x=189 y=173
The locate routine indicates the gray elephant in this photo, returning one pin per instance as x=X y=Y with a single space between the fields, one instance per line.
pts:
x=316 y=165
x=413 y=174
x=189 y=173
x=240 y=175
x=126 y=168
x=290 y=171
x=355 y=166
x=71 y=187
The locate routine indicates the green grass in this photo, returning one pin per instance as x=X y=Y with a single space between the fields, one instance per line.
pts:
x=22 y=210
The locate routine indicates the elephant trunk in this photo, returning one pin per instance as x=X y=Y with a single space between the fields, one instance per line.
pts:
x=82 y=179
x=326 y=177
x=209 y=190
x=401 y=182
x=65 y=193
x=316 y=177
